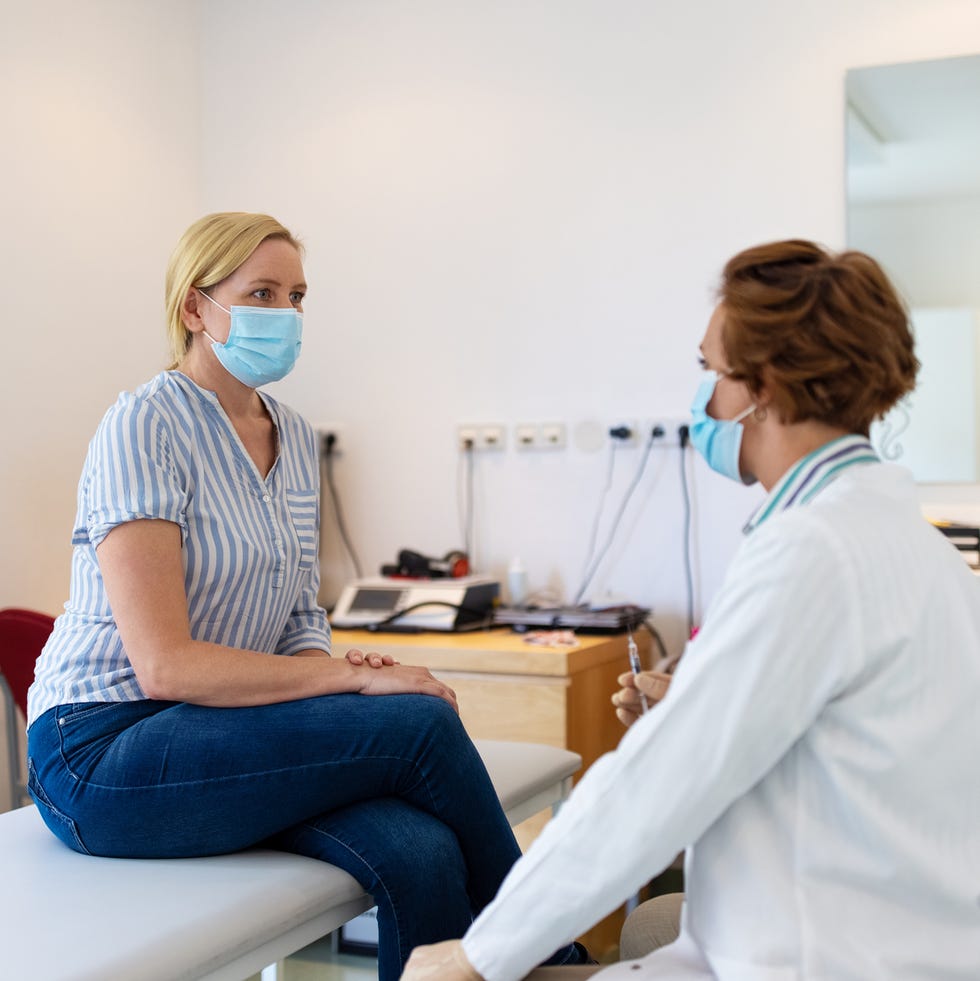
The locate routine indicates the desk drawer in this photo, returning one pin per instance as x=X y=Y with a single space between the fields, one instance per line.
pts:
x=518 y=708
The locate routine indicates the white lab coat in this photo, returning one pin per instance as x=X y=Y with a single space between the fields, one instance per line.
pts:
x=818 y=754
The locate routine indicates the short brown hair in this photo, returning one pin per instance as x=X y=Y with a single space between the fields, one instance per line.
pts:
x=826 y=333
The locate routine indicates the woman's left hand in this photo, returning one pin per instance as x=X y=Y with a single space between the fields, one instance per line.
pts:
x=446 y=961
x=372 y=659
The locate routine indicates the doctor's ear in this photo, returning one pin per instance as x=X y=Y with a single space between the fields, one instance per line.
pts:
x=764 y=399
x=762 y=392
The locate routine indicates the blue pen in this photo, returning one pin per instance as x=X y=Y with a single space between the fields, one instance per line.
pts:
x=634 y=656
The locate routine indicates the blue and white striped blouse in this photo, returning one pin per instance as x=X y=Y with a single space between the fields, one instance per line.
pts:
x=249 y=545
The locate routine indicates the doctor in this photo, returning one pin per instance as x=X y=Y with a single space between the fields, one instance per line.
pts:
x=815 y=753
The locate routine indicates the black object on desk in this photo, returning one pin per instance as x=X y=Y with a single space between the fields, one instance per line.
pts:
x=604 y=620
x=965 y=538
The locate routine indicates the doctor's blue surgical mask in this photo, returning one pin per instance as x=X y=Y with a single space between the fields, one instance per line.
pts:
x=717 y=440
x=263 y=343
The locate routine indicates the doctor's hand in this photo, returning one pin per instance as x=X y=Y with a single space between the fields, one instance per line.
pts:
x=653 y=684
x=372 y=659
x=440 y=962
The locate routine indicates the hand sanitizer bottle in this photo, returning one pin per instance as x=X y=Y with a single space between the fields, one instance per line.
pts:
x=517 y=582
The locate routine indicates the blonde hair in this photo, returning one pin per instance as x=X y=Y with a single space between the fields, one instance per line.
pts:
x=208 y=252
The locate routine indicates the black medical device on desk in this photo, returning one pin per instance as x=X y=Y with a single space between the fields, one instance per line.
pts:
x=398 y=605
x=965 y=538
x=584 y=619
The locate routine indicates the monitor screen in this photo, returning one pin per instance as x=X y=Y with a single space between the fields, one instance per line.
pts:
x=375 y=601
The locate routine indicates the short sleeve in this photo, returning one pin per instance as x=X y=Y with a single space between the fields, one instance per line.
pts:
x=129 y=473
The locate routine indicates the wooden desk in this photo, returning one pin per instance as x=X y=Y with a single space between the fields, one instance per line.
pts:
x=510 y=689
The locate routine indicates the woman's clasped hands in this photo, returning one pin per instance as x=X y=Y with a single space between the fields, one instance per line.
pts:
x=373 y=659
x=389 y=677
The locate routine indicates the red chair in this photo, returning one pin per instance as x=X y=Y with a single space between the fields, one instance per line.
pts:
x=22 y=635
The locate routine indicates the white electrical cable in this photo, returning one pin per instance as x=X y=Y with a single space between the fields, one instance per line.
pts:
x=600 y=507
x=464 y=501
x=619 y=517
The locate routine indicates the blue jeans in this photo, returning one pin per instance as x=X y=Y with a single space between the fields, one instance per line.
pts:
x=388 y=788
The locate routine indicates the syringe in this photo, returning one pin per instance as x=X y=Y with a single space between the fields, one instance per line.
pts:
x=634 y=656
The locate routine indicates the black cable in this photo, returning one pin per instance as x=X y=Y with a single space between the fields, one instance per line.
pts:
x=338 y=512
x=688 y=577
x=657 y=639
x=458 y=607
x=616 y=521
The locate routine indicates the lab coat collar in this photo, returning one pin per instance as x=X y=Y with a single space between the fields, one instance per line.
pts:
x=811 y=474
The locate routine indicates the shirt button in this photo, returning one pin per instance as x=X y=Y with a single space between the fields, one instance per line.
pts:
x=266 y=498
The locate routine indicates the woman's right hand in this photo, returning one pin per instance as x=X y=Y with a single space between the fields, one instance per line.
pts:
x=653 y=684
x=404 y=679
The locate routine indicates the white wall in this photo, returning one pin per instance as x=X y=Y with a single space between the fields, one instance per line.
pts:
x=514 y=212
x=99 y=174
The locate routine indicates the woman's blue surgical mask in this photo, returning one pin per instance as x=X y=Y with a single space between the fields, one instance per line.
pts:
x=263 y=343
x=717 y=440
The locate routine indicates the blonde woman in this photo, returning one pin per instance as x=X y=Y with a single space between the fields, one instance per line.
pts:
x=186 y=703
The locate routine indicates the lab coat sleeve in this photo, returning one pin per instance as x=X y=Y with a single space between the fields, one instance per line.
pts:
x=781 y=639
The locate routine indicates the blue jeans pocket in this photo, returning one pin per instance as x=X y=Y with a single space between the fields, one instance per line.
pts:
x=85 y=731
x=60 y=825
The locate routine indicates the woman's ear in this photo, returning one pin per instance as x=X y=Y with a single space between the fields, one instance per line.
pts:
x=190 y=311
